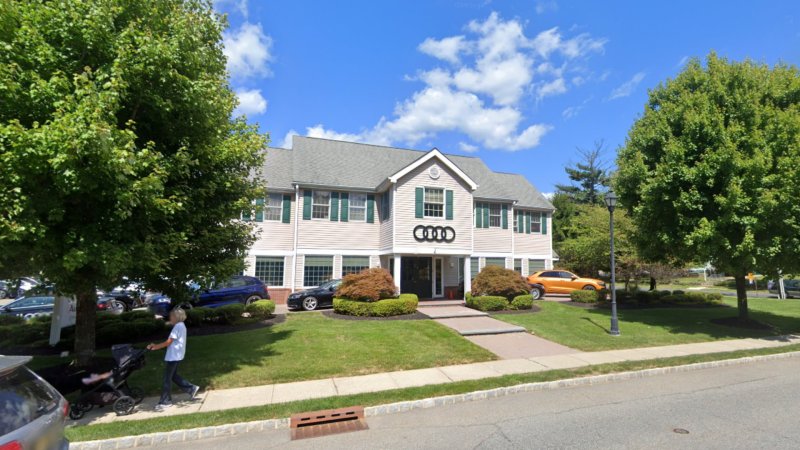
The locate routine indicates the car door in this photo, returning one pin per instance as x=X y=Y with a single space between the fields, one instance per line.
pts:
x=31 y=306
x=237 y=290
x=568 y=281
x=327 y=298
x=551 y=281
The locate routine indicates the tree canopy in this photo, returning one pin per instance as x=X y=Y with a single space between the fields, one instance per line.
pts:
x=589 y=177
x=118 y=150
x=711 y=170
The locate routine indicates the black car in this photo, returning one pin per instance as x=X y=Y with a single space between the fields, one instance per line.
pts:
x=313 y=298
x=43 y=305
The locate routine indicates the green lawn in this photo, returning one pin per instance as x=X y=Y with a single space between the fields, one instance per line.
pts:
x=587 y=329
x=311 y=346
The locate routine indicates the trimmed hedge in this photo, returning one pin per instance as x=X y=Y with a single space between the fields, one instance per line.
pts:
x=260 y=309
x=229 y=314
x=488 y=303
x=10 y=320
x=522 y=302
x=659 y=298
x=587 y=296
x=405 y=304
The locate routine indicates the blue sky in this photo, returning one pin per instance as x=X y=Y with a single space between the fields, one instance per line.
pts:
x=520 y=84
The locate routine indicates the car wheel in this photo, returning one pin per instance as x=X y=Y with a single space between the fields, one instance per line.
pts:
x=116 y=307
x=537 y=292
x=251 y=299
x=589 y=287
x=310 y=303
x=3 y=294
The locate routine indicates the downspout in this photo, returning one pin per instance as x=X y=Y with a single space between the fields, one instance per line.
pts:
x=296 y=225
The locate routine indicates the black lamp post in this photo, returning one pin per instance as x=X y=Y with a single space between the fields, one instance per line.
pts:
x=611 y=203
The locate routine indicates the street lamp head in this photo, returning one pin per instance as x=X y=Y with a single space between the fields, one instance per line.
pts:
x=611 y=200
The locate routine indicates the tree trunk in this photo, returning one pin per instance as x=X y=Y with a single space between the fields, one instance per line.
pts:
x=85 y=326
x=652 y=284
x=741 y=296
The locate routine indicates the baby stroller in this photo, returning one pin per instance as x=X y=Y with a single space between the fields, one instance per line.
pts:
x=113 y=389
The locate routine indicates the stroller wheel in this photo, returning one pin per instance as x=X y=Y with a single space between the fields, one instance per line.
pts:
x=78 y=409
x=137 y=394
x=124 y=405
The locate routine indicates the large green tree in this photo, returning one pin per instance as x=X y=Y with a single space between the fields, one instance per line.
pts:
x=118 y=152
x=711 y=170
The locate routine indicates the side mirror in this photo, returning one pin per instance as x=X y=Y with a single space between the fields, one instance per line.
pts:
x=574 y=278
x=332 y=288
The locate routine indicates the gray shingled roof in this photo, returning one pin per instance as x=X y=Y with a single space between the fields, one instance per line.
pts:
x=323 y=162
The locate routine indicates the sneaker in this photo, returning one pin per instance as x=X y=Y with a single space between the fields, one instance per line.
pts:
x=163 y=406
x=194 y=392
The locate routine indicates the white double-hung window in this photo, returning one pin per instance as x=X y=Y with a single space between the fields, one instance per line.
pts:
x=273 y=207
x=358 y=207
x=494 y=215
x=321 y=205
x=434 y=202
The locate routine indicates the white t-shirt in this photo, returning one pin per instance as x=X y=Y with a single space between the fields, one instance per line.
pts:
x=177 y=349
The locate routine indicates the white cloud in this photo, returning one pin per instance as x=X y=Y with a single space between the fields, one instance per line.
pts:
x=287 y=139
x=682 y=62
x=573 y=111
x=250 y=102
x=446 y=49
x=626 y=88
x=492 y=71
x=239 y=6
x=546 y=6
x=248 y=51
x=466 y=147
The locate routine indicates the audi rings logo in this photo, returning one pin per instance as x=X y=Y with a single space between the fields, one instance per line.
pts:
x=430 y=233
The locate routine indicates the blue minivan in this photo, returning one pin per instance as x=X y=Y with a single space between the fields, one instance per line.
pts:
x=239 y=289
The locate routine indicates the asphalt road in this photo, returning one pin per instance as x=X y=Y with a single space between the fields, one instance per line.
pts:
x=747 y=406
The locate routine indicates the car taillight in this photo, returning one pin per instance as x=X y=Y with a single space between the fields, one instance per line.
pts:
x=65 y=409
x=13 y=445
x=102 y=305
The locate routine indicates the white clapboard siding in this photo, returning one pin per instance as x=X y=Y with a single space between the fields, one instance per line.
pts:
x=325 y=234
x=276 y=235
x=534 y=243
x=405 y=204
x=385 y=226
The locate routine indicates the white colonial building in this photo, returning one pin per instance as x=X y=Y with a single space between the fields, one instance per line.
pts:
x=433 y=220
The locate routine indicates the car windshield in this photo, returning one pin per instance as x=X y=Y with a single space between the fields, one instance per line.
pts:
x=23 y=399
x=329 y=284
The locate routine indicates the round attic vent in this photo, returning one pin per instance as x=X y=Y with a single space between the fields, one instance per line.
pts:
x=434 y=172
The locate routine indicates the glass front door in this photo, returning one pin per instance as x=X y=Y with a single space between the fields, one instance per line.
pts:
x=438 y=278
x=416 y=276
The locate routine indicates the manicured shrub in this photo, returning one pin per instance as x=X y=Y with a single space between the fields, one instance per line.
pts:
x=135 y=315
x=229 y=314
x=369 y=285
x=582 y=296
x=10 y=320
x=260 y=309
x=405 y=304
x=677 y=292
x=497 y=281
x=522 y=302
x=196 y=316
x=488 y=303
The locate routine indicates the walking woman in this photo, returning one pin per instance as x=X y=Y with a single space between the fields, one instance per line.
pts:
x=176 y=349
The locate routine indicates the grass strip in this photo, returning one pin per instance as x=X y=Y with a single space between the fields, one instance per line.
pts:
x=197 y=420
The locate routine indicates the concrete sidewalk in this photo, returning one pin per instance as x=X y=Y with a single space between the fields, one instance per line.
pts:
x=303 y=390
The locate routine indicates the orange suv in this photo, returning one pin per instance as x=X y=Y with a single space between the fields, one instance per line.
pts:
x=560 y=282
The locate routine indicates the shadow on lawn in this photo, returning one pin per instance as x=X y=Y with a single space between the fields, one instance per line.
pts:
x=698 y=321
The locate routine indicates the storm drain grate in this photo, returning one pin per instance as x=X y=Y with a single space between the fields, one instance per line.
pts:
x=330 y=421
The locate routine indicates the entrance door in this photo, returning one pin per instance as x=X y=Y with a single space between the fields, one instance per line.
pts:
x=438 y=278
x=416 y=276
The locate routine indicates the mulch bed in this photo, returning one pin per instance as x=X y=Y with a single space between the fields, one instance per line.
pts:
x=533 y=309
x=735 y=322
x=415 y=316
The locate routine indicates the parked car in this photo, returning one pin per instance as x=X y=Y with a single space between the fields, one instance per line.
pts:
x=790 y=286
x=130 y=295
x=560 y=282
x=314 y=298
x=239 y=289
x=33 y=413
x=17 y=287
x=43 y=305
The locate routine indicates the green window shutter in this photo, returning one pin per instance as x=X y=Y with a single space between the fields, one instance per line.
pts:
x=345 y=207
x=418 y=211
x=504 y=217
x=520 y=222
x=448 y=204
x=246 y=216
x=334 y=206
x=544 y=223
x=478 y=215
x=527 y=222
x=485 y=215
x=287 y=208
x=259 y=210
x=370 y=208
x=306 y=205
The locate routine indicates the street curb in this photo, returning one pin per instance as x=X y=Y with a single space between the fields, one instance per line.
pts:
x=153 y=439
